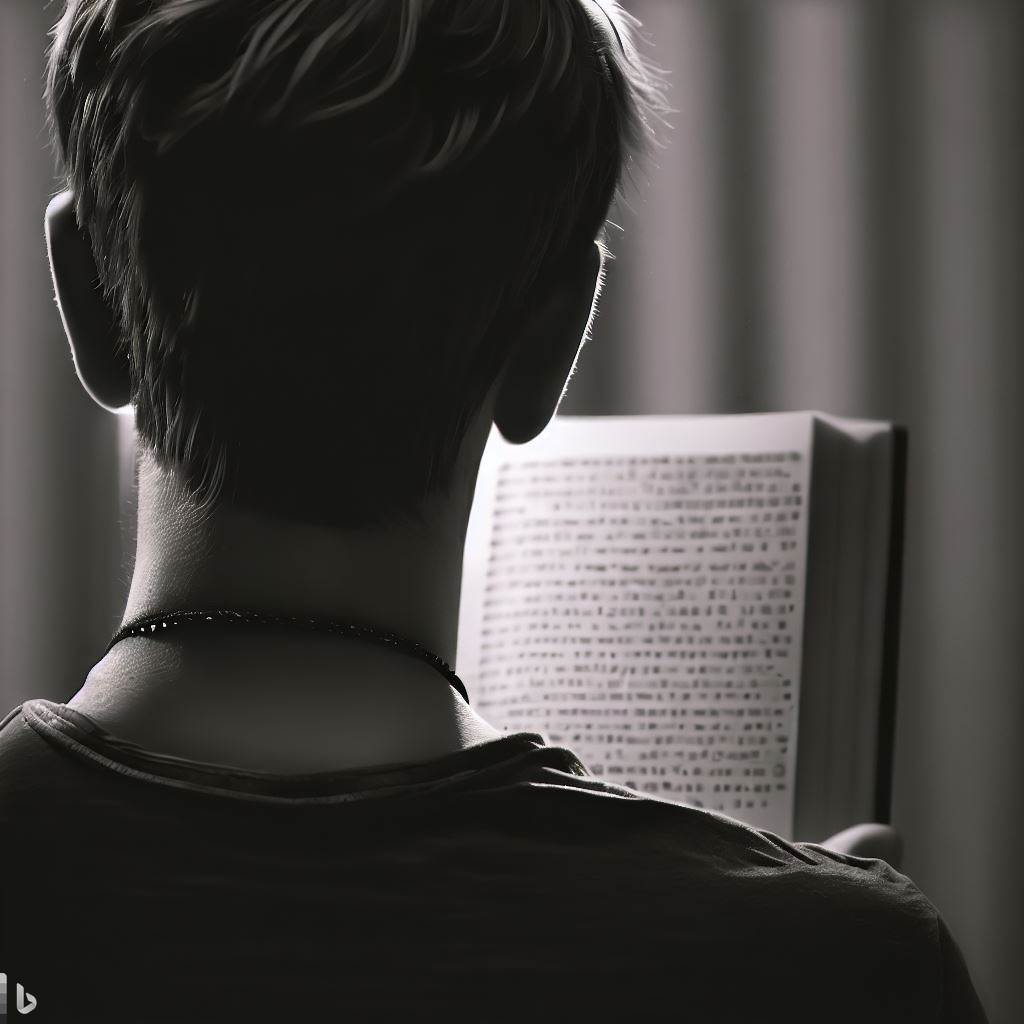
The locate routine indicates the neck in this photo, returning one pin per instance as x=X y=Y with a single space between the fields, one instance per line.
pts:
x=404 y=579
x=340 y=701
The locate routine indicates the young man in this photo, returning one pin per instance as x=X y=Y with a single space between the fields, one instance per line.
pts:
x=322 y=246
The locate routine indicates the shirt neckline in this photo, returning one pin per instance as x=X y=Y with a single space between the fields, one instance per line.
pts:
x=78 y=734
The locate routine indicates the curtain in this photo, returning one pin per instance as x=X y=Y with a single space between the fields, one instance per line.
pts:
x=64 y=571
x=835 y=223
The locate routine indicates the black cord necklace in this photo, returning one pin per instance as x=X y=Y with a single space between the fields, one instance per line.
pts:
x=151 y=625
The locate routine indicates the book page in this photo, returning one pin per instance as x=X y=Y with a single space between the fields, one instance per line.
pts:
x=633 y=590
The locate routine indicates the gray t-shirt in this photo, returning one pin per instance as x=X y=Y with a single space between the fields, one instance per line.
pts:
x=502 y=882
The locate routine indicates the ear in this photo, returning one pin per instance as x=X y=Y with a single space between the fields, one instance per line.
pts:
x=550 y=337
x=89 y=322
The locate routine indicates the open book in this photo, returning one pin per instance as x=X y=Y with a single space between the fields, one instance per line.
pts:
x=703 y=608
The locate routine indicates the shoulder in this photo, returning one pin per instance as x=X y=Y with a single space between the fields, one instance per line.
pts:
x=26 y=767
x=33 y=777
x=758 y=871
x=860 y=930
x=19 y=749
x=836 y=936
x=831 y=906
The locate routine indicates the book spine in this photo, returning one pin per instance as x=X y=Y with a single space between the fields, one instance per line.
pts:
x=891 y=635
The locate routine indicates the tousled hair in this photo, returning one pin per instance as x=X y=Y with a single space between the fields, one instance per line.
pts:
x=317 y=221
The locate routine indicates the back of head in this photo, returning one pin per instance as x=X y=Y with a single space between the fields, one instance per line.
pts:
x=316 y=221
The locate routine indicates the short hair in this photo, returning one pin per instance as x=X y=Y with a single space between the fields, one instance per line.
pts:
x=317 y=221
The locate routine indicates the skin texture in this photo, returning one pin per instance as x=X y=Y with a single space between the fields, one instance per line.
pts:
x=310 y=702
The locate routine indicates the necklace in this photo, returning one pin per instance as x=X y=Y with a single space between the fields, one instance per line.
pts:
x=150 y=625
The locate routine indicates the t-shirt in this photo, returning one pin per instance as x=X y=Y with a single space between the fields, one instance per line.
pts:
x=500 y=882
